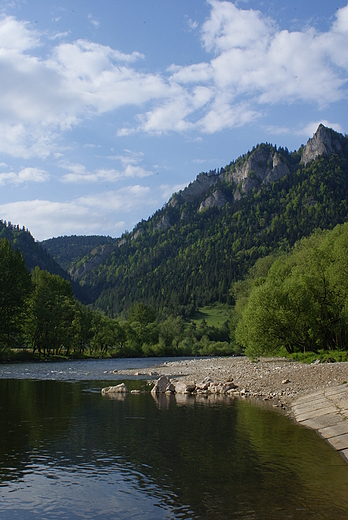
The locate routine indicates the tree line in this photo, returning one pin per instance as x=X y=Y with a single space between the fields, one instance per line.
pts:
x=39 y=313
x=296 y=302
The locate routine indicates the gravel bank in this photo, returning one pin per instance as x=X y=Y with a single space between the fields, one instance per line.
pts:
x=277 y=380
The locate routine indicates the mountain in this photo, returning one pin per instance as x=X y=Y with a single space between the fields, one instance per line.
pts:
x=208 y=235
x=189 y=253
x=35 y=255
x=71 y=250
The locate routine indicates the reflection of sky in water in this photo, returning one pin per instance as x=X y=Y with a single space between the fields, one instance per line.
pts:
x=66 y=452
x=85 y=491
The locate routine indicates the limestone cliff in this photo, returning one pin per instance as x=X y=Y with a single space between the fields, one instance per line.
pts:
x=324 y=142
x=164 y=223
x=262 y=167
x=201 y=185
x=216 y=200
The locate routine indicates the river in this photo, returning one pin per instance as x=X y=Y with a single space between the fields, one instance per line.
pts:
x=68 y=452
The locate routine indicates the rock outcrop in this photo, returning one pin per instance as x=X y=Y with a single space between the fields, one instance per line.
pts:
x=324 y=142
x=261 y=168
x=216 y=200
x=162 y=386
x=137 y=233
x=164 y=223
x=97 y=256
x=201 y=185
x=206 y=387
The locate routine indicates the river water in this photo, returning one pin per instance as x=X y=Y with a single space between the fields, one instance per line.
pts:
x=68 y=452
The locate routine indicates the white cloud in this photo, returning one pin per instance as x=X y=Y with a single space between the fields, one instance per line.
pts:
x=93 y=21
x=23 y=176
x=17 y=36
x=229 y=27
x=169 y=189
x=125 y=199
x=192 y=24
x=252 y=64
x=78 y=173
x=40 y=98
x=85 y=215
x=311 y=128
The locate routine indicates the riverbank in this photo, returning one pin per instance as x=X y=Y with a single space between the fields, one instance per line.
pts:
x=278 y=380
x=314 y=395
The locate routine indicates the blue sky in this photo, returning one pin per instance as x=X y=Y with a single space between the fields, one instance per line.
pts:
x=108 y=107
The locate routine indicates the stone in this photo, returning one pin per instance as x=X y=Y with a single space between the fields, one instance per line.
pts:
x=162 y=385
x=118 y=389
x=229 y=385
x=181 y=387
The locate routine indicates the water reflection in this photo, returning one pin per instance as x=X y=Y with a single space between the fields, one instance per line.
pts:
x=68 y=452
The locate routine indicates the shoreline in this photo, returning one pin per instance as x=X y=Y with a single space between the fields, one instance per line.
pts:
x=278 y=380
x=314 y=395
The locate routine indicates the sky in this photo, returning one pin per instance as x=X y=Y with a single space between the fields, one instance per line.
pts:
x=108 y=107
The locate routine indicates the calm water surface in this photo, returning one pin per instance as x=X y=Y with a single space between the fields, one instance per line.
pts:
x=68 y=452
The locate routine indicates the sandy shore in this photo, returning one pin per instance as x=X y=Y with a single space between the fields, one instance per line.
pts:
x=277 y=380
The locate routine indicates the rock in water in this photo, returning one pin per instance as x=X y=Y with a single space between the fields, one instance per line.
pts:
x=162 y=386
x=184 y=388
x=118 y=389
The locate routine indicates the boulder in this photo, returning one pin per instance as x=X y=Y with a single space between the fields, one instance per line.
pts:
x=181 y=387
x=118 y=389
x=162 y=386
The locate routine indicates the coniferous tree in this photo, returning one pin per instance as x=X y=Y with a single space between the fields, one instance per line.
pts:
x=15 y=287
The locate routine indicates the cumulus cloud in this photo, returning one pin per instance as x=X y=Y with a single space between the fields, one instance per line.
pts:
x=85 y=215
x=250 y=64
x=131 y=168
x=253 y=64
x=23 y=176
x=42 y=97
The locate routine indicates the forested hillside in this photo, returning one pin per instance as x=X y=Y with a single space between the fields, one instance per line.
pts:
x=35 y=255
x=207 y=236
x=248 y=234
x=68 y=251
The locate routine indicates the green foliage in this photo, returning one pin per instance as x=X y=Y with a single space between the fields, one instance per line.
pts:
x=39 y=312
x=36 y=256
x=15 y=287
x=302 y=304
x=69 y=250
x=50 y=314
x=214 y=315
x=324 y=356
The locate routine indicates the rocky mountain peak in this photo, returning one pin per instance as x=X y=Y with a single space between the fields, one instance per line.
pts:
x=262 y=167
x=325 y=141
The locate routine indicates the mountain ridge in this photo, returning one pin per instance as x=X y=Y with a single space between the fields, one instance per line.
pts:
x=207 y=235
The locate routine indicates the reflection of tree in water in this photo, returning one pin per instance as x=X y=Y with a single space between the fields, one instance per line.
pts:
x=33 y=415
x=216 y=458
